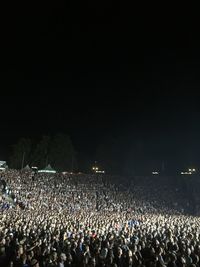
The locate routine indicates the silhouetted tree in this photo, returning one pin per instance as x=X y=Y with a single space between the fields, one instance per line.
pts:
x=41 y=152
x=21 y=154
x=57 y=151
x=62 y=155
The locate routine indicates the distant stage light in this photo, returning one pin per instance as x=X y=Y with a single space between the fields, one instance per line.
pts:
x=155 y=173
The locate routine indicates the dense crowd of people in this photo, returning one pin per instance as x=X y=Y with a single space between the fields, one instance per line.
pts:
x=72 y=220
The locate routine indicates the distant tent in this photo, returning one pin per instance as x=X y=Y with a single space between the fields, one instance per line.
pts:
x=3 y=165
x=48 y=169
x=27 y=168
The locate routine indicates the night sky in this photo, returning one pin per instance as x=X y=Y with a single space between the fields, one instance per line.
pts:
x=103 y=74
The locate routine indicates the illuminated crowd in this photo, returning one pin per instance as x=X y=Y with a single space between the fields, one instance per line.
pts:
x=64 y=220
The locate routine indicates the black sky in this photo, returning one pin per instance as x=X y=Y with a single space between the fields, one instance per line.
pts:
x=103 y=71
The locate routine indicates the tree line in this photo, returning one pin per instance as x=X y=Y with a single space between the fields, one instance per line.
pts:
x=56 y=150
x=115 y=155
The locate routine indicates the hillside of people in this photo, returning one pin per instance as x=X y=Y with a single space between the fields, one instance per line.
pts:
x=72 y=220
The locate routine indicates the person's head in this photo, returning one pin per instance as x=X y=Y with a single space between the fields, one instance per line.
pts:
x=175 y=247
x=69 y=258
x=92 y=262
x=188 y=251
x=195 y=259
x=19 y=250
x=159 y=250
x=173 y=257
x=119 y=252
x=63 y=257
x=34 y=263
x=30 y=255
x=54 y=256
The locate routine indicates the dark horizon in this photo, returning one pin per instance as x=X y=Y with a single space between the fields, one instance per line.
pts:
x=106 y=78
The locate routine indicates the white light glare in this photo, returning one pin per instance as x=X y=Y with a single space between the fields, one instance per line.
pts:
x=154 y=172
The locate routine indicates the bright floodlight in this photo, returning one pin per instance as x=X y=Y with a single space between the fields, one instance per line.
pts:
x=193 y=170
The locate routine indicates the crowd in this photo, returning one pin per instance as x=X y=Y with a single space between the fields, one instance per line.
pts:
x=68 y=220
